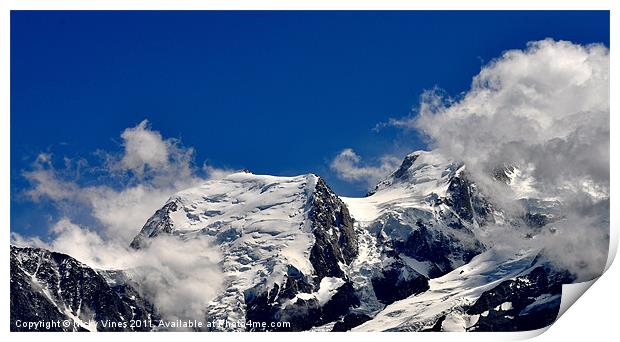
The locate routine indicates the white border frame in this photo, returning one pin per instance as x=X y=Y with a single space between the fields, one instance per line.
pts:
x=578 y=323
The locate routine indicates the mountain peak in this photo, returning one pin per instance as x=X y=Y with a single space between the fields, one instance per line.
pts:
x=237 y=197
x=424 y=171
x=276 y=235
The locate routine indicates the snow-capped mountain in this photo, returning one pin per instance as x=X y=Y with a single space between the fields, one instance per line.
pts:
x=406 y=257
x=427 y=216
x=286 y=244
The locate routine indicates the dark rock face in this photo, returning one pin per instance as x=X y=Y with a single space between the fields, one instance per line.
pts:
x=459 y=198
x=400 y=175
x=406 y=164
x=414 y=234
x=275 y=305
x=502 y=173
x=339 y=305
x=335 y=242
x=425 y=245
x=437 y=326
x=397 y=281
x=536 y=220
x=159 y=223
x=467 y=201
x=305 y=314
x=47 y=286
x=267 y=306
x=534 y=297
x=29 y=304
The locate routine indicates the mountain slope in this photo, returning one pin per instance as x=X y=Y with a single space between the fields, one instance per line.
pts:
x=48 y=286
x=417 y=224
x=427 y=216
x=496 y=291
x=285 y=243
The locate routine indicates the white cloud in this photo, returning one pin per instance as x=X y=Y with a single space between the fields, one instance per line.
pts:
x=544 y=109
x=81 y=243
x=181 y=277
x=216 y=173
x=547 y=105
x=348 y=166
x=143 y=147
x=122 y=204
x=123 y=212
x=45 y=183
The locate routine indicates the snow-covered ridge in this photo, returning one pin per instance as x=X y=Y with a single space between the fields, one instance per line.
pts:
x=422 y=178
x=497 y=290
x=426 y=217
x=432 y=196
x=426 y=171
x=245 y=210
x=450 y=294
x=269 y=230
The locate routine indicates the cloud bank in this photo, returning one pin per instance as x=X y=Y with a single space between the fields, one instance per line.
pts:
x=545 y=110
x=131 y=186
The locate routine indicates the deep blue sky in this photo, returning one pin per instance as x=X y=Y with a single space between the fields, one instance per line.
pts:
x=275 y=92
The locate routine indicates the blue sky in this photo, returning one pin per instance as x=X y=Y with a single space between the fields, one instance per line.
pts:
x=275 y=92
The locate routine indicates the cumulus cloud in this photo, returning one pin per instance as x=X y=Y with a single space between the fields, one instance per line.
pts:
x=143 y=147
x=348 y=166
x=147 y=156
x=547 y=105
x=545 y=110
x=121 y=202
x=181 y=277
